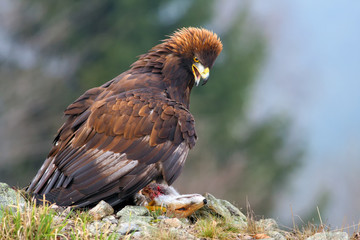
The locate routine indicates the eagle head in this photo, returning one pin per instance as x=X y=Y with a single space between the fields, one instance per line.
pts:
x=179 y=62
x=197 y=48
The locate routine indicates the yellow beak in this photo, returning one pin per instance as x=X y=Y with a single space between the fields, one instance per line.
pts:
x=199 y=72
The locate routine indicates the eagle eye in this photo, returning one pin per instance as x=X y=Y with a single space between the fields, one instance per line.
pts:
x=181 y=209
x=196 y=59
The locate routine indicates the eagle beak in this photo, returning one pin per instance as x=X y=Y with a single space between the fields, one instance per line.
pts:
x=199 y=72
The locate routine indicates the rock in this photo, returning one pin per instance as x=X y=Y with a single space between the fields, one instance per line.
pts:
x=167 y=233
x=185 y=221
x=110 y=219
x=102 y=209
x=134 y=214
x=161 y=217
x=129 y=211
x=172 y=222
x=94 y=227
x=136 y=235
x=276 y=235
x=97 y=227
x=10 y=198
x=133 y=219
x=56 y=208
x=329 y=236
x=62 y=211
x=127 y=228
x=66 y=211
x=69 y=226
x=267 y=225
x=224 y=209
x=181 y=234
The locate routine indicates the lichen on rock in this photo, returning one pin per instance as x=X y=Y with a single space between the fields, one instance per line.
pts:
x=10 y=198
x=102 y=209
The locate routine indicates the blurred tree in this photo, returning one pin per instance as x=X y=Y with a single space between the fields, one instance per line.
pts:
x=252 y=159
x=81 y=44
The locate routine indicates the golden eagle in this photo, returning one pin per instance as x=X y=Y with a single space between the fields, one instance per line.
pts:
x=132 y=130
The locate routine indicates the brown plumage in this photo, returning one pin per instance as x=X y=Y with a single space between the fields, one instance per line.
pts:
x=132 y=130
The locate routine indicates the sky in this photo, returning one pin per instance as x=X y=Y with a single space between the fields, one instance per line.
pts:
x=312 y=74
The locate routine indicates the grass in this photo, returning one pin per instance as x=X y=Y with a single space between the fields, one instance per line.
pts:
x=156 y=211
x=43 y=222
x=217 y=228
x=31 y=223
x=309 y=229
x=162 y=234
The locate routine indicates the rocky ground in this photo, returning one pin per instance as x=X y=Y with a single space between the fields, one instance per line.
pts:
x=219 y=219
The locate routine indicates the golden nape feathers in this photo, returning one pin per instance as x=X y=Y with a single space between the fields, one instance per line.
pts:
x=189 y=41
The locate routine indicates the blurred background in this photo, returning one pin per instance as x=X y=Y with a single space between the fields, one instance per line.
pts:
x=278 y=122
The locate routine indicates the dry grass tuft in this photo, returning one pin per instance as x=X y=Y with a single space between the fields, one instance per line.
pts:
x=43 y=222
x=162 y=234
x=31 y=222
x=217 y=228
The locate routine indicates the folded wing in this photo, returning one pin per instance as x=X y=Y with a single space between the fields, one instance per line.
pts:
x=111 y=148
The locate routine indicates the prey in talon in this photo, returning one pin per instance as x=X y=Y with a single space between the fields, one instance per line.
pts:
x=166 y=199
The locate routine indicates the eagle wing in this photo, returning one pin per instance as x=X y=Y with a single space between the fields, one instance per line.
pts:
x=111 y=148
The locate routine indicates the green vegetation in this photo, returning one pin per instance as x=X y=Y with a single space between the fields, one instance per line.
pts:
x=31 y=223
x=48 y=222
x=162 y=234
x=217 y=228
x=43 y=222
